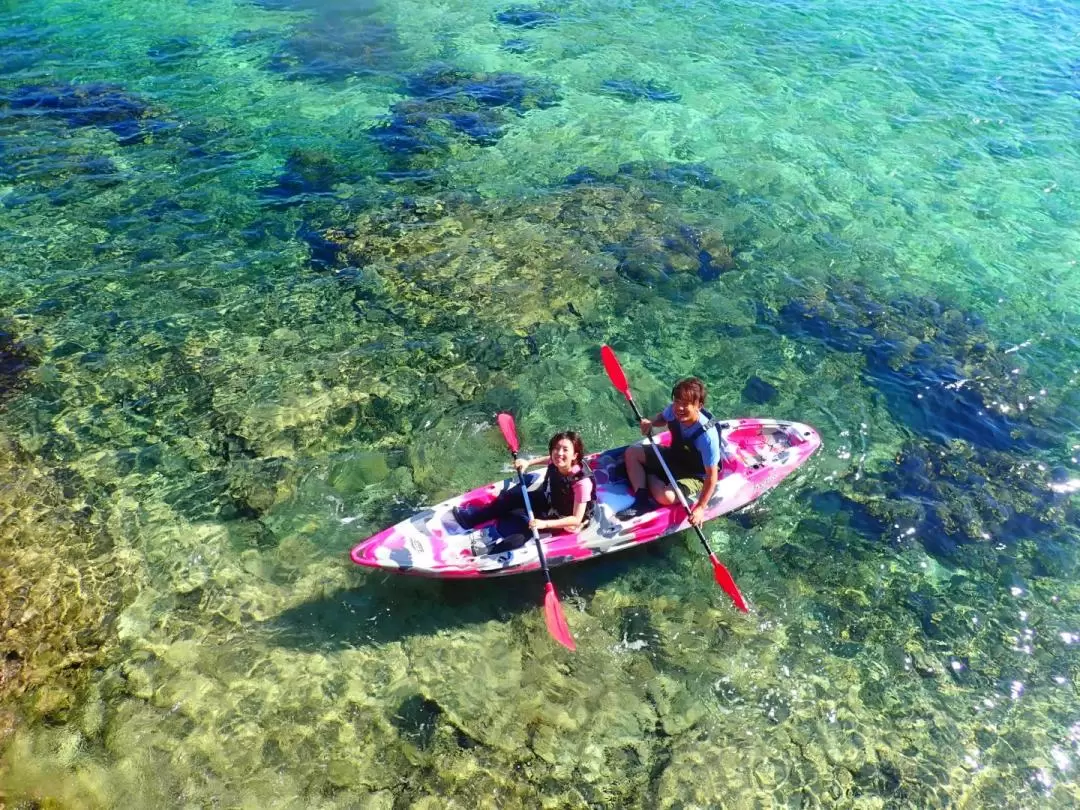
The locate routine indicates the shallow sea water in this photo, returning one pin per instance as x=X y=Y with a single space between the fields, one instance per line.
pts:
x=269 y=269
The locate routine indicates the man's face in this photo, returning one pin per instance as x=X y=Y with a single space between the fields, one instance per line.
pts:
x=687 y=411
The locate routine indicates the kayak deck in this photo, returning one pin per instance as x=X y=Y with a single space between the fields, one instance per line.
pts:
x=432 y=544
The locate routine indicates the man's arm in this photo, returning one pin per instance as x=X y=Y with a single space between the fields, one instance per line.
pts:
x=697 y=513
x=659 y=422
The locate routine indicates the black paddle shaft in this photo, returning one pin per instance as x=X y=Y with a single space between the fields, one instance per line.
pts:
x=529 y=512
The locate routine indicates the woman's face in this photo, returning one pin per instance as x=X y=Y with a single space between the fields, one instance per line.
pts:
x=563 y=455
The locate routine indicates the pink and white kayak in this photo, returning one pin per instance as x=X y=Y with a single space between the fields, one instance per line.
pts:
x=432 y=544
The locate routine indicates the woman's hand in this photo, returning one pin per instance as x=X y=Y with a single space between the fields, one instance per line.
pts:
x=538 y=525
x=521 y=464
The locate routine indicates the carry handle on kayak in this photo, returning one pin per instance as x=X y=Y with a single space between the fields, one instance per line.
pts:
x=553 y=613
x=618 y=379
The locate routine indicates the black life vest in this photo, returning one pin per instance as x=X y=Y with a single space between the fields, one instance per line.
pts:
x=559 y=490
x=682 y=456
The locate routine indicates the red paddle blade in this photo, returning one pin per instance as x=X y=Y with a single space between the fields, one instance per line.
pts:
x=509 y=431
x=614 y=370
x=556 y=621
x=725 y=581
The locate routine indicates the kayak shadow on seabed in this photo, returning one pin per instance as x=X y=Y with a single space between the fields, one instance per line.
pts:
x=390 y=607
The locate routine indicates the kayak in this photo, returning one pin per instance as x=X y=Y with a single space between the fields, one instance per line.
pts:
x=761 y=454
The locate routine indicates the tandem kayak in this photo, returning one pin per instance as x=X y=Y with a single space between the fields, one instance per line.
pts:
x=432 y=544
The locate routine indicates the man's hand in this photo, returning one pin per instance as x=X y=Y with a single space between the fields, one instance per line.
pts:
x=646 y=426
x=697 y=515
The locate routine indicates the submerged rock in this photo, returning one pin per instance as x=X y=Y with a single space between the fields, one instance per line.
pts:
x=52 y=567
x=332 y=48
x=526 y=17
x=458 y=264
x=652 y=259
x=758 y=392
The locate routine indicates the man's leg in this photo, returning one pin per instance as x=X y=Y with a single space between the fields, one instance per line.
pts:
x=637 y=468
x=663 y=493
x=661 y=490
x=634 y=458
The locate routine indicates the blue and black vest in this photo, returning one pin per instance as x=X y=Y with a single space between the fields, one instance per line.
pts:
x=682 y=456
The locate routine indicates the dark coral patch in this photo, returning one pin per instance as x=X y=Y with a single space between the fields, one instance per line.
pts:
x=931 y=366
x=448 y=103
x=830 y=504
x=174 y=50
x=329 y=48
x=14 y=361
x=85 y=176
x=88 y=105
x=409 y=131
x=630 y=90
x=651 y=259
x=526 y=17
x=467 y=90
x=324 y=253
x=758 y=392
x=20 y=48
x=949 y=500
x=517 y=46
x=55 y=174
x=416 y=719
x=675 y=175
x=252 y=36
x=306 y=174
x=476 y=126
x=334 y=8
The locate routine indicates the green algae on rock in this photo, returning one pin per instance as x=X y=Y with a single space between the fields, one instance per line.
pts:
x=63 y=584
x=454 y=264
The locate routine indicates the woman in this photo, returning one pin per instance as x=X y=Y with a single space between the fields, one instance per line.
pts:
x=564 y=501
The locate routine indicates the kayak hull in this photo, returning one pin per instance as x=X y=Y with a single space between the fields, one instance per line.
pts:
x=432 y=544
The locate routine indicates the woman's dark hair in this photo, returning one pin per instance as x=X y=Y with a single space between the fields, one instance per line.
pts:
x=691 y=390
x=571 y=437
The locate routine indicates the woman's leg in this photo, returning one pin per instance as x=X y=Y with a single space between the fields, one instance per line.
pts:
x=514 y=533
x=512 y=527
x=505 y=503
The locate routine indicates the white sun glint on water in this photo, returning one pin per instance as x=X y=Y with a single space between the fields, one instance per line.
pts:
x=1066 y=487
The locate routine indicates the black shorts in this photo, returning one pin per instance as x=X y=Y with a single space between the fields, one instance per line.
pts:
x=689 y=481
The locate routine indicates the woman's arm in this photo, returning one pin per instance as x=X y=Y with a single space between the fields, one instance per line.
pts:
x=523 y=464
x=570 y=522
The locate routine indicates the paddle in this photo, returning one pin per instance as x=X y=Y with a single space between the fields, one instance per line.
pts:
x=618 y=379
x=553 y=614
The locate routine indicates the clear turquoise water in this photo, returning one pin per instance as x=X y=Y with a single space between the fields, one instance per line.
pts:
x=204 y=406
